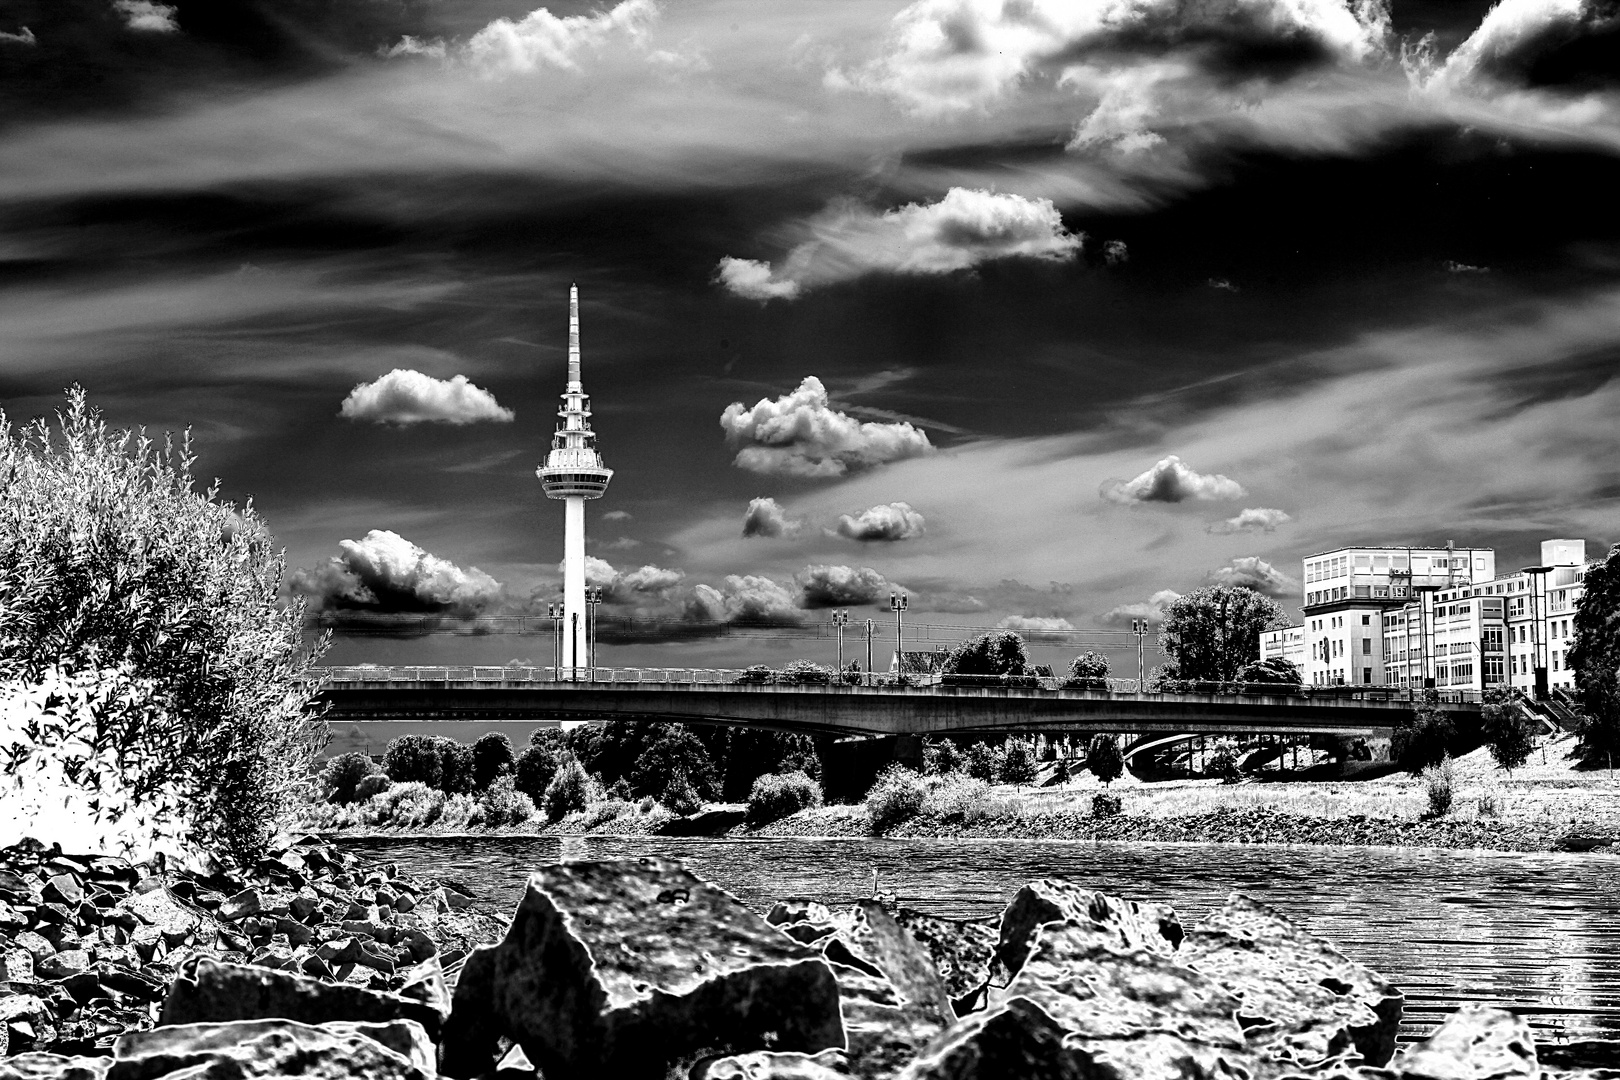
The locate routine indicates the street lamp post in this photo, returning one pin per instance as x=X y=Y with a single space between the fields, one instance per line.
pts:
x=897 y=604
x=573 y=636
x=593 y=600
x=1139 y=627
x=555 y=613
x=871 y=629
x=840 y=620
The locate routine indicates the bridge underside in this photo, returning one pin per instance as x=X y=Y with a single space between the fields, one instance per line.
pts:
x=376 y=714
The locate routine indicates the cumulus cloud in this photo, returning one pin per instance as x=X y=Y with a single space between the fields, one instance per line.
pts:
x=766 y=517
x=23 y=36
x=148 y=16
x=541 y=39
x=1553 y=44
x=1252 y=519
x=408 y=397
x=385 y=573
x=839 y=586
x=1257 y=574
x=799 y=434
x=890 y=522
x=1152 y=609
x=1171 y=480
x=952 y=55
x=1037 y=627
x=616 y=515
x=748 y=599
x=965 y=228
x=1115 y=252
x=633 y=586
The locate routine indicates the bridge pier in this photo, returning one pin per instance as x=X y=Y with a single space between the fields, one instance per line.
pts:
x=849 y=766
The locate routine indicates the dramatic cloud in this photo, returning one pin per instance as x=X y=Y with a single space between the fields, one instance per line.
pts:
x=1554 y=44
x=748 y=599
x=798 y=434
x=541 y=39
x=386 y=574
x=962 y=230
x=954 y=55
x=409 y=397
x=893 y=521
x=839 y=586
x=765 y=517
x=633 y=586
x=1256 y=574
x=1172 y=481
x=148 y=16
x=1252 y=519
x=1152 y=609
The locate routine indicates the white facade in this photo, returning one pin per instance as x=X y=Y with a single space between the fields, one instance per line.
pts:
x=574 y=472
x=1285 y=644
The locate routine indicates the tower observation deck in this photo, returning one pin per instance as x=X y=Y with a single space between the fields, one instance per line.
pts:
x=573 y=472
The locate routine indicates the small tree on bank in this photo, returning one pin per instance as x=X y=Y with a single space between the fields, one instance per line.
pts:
x=1425 y=741
x=1104 y=759
x=1507 y=731
x=1018 y=765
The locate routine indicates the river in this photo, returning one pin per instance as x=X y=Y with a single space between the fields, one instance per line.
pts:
x=1539 y=934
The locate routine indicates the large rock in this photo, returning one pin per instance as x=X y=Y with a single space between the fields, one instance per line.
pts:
x=1475 y=1043
x=1016 y=1038
x=207 y=991
x=1134 y=1013
x=875 y=936
x=406 y=1038
x=628 y=968
x=1121 y=924
x=264 y=1049
x=883 y=1031
x=1303 y=1001
x=963 y=952
x=42 y=1066
x=771 y=1065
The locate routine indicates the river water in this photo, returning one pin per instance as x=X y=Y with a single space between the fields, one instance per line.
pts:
x=1539 y=934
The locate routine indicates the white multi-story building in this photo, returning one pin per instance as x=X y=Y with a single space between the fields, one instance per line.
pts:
x=1285 y=644
x=1349 y=590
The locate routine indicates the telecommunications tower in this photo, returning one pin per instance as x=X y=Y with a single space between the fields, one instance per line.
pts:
x=574 y=472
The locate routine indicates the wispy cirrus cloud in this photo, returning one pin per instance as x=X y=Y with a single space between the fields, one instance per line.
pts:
x=800 y=434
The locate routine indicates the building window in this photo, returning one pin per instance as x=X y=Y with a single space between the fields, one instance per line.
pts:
x=1366 y=646
x=1366 y=620
x=1366 y=674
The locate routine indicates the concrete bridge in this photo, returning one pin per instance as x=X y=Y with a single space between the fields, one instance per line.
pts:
x=370 y=706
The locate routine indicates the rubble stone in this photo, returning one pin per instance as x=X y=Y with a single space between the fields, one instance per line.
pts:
x=278 y=1048
x=1116 y=922
x=207 y=991
x=1475 y=1043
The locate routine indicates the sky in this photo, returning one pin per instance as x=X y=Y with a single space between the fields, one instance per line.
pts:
x=1040 y=312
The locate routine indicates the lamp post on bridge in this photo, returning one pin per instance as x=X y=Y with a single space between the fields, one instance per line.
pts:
x=554 y=612
x=1139 y=627
x=871 y=628
x=897 y=604
x=840 y=620
x=593 y=600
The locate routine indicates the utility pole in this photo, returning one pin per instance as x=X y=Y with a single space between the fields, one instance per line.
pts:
x=1139 y=627
x=871 y=627
x=573 y=641
x=555 y=613
x=897 y=604
x=593 y=600
x=840 y=620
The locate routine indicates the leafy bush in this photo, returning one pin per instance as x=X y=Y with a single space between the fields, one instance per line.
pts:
x=960 y=798
x=680 y=797
x=569 y=790
x=1275 y=671
x=1000 y=652
x=493 y=758
x=620 y=789
x=942 y=757
x=1224 y=765
x=533 y=772
x=1426 y=740
x=372 y=786
x=757 y=674
x=1507 y=731
x=1018 y=765
x=343 y=773
x=1489 y=805
x=413 y=759
x=504 y=804
x=111 y=561
x=409 y=805
x=1088 y=671
x=805 y=673
x=896 y=796
x=1439 y=783
x=776 y=796
x=1104 y=759
x=1106 y=804
x=983 y=762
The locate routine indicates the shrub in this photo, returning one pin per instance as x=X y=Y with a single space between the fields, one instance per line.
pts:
x=504 y=804
x=1275 y=671
x=1106 y=804
x=493 y=758
x=1017 y=765
x=1088 y=671
x=1426 y=740
x=942 y=757
x=896 y=796
x=805 y=673
x=983 y=762
x=110 y=560
x=533 y=772
x=680 y=797
x=372 y=786
x=1506 y=730
x=620 y=789
x=569 y=790
x=412 y=759
x=777 y=795
x=343 y=774
x=757 y=674
x=1489 y=805
x=411 y=804
x=1439 y=783
x=1223 y=764
x=604 y=811
x=1104 y=759
x=646 y=805
x=960 y=798
x=455 y=766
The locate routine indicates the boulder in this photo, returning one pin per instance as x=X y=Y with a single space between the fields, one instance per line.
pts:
x=627 y=968
x=1475 y=1043
x=882 y=1031
x=1122 y=924
x=770 y=1065
x=1016 y=1038
x=874 y=936
x=207 y=991
x=1303 y=1001
x=42 y=1066
x=266 y=1049
x=16 y=965
x=241 y=905
x=963 y=952
x=406 y=1038
x=65 y=964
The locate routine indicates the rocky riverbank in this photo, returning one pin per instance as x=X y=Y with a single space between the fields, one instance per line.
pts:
x=636 y=968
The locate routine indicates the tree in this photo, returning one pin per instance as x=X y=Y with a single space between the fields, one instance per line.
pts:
x=111 y=561
x=1017 y=763
x=343 y=774
x=1211 y=633
x=1425 y=740
x=413 y=757
x=983 y=762
x=1104 y=759
x=1000 y=652
x=1506 y=730
x=492 y=759
x=1089 y=670
x=455 y=766
x=533 y=770
x=675 y=751
x=1595 y=657
x=942 y=757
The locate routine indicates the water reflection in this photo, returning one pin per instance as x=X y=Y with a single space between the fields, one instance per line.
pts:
x=1536 y=933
